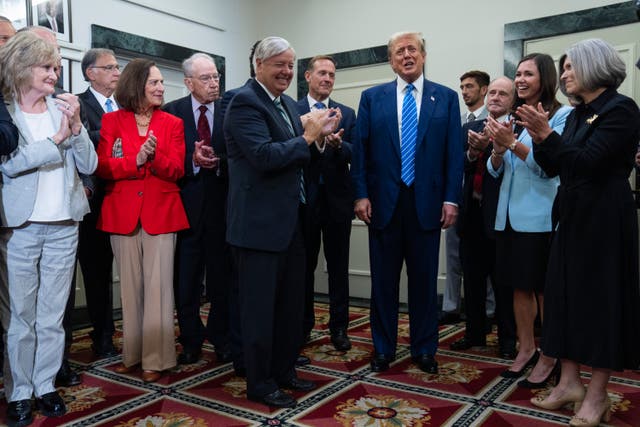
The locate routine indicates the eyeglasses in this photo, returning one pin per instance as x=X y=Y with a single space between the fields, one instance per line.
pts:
x=207 y=78
x=109 y=68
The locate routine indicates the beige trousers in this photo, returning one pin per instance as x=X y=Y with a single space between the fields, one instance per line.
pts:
x=145 y=265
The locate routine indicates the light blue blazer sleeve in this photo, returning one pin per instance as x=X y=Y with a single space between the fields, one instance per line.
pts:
x=526 y=193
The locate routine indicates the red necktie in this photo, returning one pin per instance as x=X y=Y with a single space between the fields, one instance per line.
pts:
x=204 y=132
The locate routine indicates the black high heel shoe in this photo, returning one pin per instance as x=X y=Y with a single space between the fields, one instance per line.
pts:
x=515 y=374
x=555 y=373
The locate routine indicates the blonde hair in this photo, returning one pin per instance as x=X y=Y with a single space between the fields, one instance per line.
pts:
x=18 y=56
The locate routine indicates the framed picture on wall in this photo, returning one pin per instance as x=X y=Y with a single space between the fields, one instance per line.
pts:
x=53 y=14
x=64 y=81
x=16 y=11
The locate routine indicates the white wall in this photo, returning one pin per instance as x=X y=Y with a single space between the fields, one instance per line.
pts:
x=236 y=19
x=460 y=34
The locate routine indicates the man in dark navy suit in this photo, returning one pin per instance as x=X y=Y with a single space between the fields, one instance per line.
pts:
x=267 y=147
x=476 y=228
x=407 y=172
x=202 y=249
x=329 y=202
x=100 y=68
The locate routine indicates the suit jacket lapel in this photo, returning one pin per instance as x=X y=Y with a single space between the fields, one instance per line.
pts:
x=21 y=123
x=390 y=106
x=427 y=106
x=271 y=107
x=291 y=109
x=91 y=101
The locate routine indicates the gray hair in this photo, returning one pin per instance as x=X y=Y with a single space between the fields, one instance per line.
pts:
x=270 y=46
x=5 y=19
x=596 y=64
x=413 y=34
x=89 y=59
x=187 y=64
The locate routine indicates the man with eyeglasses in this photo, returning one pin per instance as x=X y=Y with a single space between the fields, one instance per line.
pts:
x=202 y=250
x=100 y=68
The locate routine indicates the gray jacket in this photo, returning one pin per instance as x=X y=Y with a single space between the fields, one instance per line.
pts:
x=20 y=169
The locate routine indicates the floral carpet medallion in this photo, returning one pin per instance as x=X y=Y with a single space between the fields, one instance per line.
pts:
x=165 y=420
x=454 y=372
x=235 y=386
x=382 y=411
x=82 y=397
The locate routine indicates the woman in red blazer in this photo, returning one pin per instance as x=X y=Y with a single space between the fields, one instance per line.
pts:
x=141 y=155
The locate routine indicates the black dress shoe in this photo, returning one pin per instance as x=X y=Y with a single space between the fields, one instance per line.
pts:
x=380 y=363
x=340 y=340
x=555 y=373
x=465 y=344
x=19 y=413
x=302 y=360
x=448 y=317
x=67 y=377
x=298 y=384
x=51 y=405
x=278 y=399
x=224 y=356
x=426 y=363
x=516 y=374
x=188 y=357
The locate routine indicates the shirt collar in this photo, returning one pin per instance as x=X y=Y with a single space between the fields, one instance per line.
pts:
x=312 y=102
x=103 y=99
x=195 y=105
x=417 y=83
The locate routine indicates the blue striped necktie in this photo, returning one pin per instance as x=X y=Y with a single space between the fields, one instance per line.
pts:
x=319 y=106
x=409 y=132
x=109 y=104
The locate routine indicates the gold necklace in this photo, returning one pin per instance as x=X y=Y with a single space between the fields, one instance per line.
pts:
x=143 y=124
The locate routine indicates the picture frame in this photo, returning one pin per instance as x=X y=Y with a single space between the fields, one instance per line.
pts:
x=54 y=14
x=64 y=82
x=17 y=11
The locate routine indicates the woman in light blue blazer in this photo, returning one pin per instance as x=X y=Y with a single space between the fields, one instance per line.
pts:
x=523 y=216
x=42 y=201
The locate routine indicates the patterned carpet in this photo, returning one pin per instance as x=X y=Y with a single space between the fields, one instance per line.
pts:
x=467 y=392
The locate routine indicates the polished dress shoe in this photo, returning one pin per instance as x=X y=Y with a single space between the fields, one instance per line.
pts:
x=51 y=404
x=427 y=363
x=302 y=360
x=448 y=317
x=277 y=399
x=574 y=398
x=507 y=350
x=340 y=340
x=465 y=344
x=298 y=384
x=555 y=373
x=150 y=376
x=19 y=413
x=67 y=377
x=124 y=369
x=188 y=357
x=516 y=374
x=380 y=363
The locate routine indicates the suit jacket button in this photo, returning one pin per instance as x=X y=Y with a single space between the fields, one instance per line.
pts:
x=140 y=193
